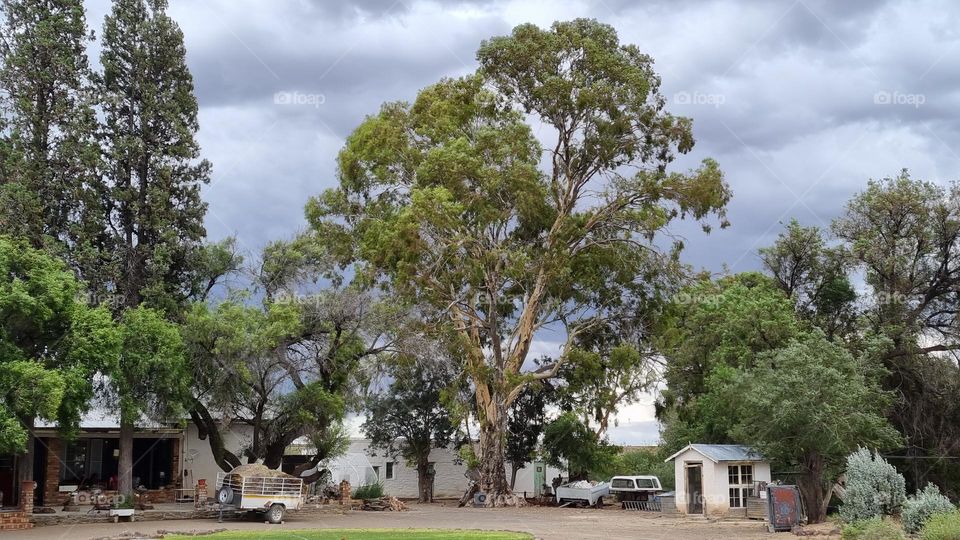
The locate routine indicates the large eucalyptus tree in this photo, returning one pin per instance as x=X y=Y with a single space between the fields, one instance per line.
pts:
x=452 y=203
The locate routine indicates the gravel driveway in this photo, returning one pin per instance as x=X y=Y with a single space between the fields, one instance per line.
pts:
x=546 y=523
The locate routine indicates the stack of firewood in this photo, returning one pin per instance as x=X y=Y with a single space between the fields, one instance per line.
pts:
x=384 y=503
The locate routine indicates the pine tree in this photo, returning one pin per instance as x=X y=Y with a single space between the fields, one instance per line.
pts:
x=48 y=153
x=152 y=169
x=48 y=172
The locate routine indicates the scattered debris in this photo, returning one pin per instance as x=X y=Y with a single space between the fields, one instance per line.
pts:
x=384 y=503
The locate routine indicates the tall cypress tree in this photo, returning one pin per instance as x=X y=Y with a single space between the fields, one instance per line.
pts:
x=152 y=168
x=48 y=172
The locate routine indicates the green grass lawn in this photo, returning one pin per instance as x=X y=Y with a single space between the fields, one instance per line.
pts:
x=360 y=534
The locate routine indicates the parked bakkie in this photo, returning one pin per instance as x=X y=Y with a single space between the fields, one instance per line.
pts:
x=634 y=488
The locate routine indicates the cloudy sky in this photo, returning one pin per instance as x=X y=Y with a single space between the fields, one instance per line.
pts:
x=800 y=101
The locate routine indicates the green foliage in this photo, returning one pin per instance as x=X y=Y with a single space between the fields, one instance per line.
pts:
x=641 y=462
x=815 y=277
x=152 y=373
x=712 y=330
x=409 y=418
x=902 y=233
x=152 y=167
x=827 y=400
x=369 y=491
x=48 y=148
x=604 y=379
x=289 y=367
x=569 y=441
x=442 y=201
x=921 y=506
x=874 y=487
x=528 y=417
x=942 y=526
x=51 y=343
x=872 y=529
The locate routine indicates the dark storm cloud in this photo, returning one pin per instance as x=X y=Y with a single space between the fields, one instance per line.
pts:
x=800 y=101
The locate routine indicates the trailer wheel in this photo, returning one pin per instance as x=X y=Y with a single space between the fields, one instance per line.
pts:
x=225 y=495
x=599 y=503
x=275 y=514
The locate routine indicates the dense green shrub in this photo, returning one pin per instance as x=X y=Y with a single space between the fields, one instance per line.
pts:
x=918 y=508
x=369 y=491
x=874 y=487
x=872 y=529
x=944 y=526
x=637 y=462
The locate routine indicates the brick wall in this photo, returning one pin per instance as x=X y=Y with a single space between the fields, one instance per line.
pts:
x=12 y=521
x=51 y=495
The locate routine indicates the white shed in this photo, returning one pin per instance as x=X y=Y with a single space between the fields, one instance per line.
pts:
x=717 y=479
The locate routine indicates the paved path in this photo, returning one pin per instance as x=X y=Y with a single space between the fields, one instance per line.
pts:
x=546 y=523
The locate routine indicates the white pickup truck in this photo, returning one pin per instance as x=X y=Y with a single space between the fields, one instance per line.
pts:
x=637 y=492
x=583 y=492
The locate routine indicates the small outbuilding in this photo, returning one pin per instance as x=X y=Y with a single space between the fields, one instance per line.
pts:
x=717 y=479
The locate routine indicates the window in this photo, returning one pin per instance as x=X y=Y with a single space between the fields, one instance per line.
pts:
x=73 y=470
x=740 y=478
x=389 y=470
x=376 y=471
x=646 y=483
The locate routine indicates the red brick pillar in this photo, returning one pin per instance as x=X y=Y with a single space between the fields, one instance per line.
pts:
x=345 y=493
x=51 y=487
x=26 y=497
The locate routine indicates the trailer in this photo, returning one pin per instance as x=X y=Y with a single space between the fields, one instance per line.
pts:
x=270 y=494
x=583 y=492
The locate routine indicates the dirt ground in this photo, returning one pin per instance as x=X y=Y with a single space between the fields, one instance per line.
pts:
x=547 y=523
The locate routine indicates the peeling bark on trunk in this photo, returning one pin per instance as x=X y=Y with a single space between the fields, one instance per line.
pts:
x=493 y=471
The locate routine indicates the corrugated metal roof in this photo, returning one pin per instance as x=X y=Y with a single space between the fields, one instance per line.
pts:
x=723 y=452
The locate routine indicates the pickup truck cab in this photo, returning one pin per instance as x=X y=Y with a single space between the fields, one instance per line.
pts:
x=635 y=488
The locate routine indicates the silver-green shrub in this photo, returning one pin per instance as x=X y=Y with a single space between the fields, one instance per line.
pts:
x=918 y=508
x=874 y=487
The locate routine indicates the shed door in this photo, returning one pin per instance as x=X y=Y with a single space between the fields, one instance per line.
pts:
x=695 y=488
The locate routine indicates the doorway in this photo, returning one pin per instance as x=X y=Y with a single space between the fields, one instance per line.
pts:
x=695 y=488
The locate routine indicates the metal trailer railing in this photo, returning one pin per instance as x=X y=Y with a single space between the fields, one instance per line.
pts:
x=643 y=506
x=280 y=486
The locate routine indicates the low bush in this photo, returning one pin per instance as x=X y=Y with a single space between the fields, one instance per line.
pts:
x=874 y=487
x=918 y=508
x=872 y=529
x=369 y=491
x=945 y=526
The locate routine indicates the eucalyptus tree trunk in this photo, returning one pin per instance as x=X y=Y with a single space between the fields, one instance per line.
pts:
x=492 y=455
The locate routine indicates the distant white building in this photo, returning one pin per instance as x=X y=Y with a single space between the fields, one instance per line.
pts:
x=361 y=465
x=716 y=479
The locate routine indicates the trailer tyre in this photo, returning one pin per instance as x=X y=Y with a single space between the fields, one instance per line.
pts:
x=275 y=514
x=225 y=495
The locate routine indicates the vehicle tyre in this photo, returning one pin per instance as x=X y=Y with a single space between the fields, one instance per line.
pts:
x=275 y=514
x=599 y=503
x=225 y=495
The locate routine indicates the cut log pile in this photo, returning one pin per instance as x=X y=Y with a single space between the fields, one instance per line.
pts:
x=384 y=503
